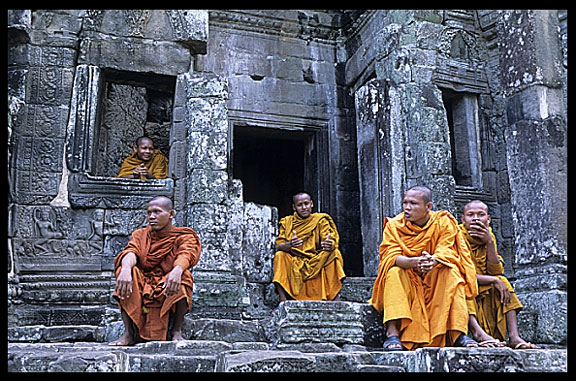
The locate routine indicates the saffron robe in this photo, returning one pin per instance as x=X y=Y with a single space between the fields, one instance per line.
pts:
x=308 y=272
x=158 y=165
x=157 y=254
x=432 y=309
x=489 y=311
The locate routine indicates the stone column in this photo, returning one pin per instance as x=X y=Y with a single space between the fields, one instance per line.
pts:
x=207 y=201
x=530 y=62
x=417 y=116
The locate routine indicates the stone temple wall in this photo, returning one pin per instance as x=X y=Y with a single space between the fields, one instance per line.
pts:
x=470 y=103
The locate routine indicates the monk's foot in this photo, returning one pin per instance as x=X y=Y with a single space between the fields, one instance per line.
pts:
x=521 y=344
x=177 y=336
x=125 y=340
x=465 y=341
x=486 y=341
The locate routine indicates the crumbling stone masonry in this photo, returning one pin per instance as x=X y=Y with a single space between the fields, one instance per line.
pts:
x=251 y=106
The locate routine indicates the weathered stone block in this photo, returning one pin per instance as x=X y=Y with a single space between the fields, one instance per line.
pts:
x=265 y=361
x=207 y=151
x=207 y=186
x=130 y=54
x=204 y=85
x=218 y=289
x=207 y=114
x=315 y=321
x=258 y=242
x=222 y=330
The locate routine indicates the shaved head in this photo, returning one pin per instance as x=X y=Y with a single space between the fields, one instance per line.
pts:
x=476 y=203
x=426 y=192
x=297 y=195
x=163 y=201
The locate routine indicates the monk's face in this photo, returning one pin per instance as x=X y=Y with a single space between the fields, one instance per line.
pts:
x=416 y=209
x=303 y=205
x=475 y=213
x=144 y=150
x=160 y=216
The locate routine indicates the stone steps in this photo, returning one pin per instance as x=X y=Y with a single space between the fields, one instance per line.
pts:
x=296 y=337
x=219 y=356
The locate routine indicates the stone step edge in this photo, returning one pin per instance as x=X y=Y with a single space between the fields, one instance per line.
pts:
x=230 y=357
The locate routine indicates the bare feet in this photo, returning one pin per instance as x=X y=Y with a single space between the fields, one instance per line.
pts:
x=125 y=340
x=522 y=344
x=177 y=336
x=486 y=341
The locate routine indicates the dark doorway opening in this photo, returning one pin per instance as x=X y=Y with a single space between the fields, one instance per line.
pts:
x=271 y=164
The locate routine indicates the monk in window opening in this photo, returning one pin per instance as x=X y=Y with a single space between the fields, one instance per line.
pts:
x=496 y=305
x=145 y=162
x=308 y=264
x=153 y=278
x=425 y=277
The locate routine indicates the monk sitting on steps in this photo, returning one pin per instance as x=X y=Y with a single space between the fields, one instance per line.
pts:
x=308 y=264
x=144 y=162
x=424 y=278
x=153 y=279
x=496 y=305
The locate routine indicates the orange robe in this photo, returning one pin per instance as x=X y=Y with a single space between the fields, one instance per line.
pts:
x=489 y=311
x=158 y=165
x=433 y=310
x=157 y=254
x=308 y=272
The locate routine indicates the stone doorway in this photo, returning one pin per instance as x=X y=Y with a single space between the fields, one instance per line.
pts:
x=274 y=164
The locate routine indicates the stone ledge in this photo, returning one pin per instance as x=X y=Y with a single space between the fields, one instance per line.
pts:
x=219 y=356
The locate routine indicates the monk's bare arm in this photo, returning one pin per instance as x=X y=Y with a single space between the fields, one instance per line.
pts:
x=407 y=262
x=124 y=280
x=491 y=255
x=294 y=242
x=284 y=247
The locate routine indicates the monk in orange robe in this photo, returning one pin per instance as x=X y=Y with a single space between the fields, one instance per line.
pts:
x=308 y=264
x=496 y=305
x=153 y=279
x=425 y=277
x=144 y=162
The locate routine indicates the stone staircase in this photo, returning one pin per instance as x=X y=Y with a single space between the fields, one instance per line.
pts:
x=296 y=336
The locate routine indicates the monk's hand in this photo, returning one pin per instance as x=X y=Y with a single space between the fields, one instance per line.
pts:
x=327 y=244
x=502 y=291
x=141 y=170
x=124 y=283
x=481 y=232
x=173 y=281
x=295 y=241
x=426 y=262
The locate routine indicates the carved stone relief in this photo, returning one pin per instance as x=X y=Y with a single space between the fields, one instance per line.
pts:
x=123 y=121
x=48 y=238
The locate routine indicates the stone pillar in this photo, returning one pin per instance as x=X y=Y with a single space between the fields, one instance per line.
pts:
x=530 y=61
x=380 y=164
x=416 y=106
x=207 y=201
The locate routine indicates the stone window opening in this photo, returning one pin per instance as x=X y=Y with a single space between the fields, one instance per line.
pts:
x=132 y=105
x=463 y=122
x=273 y=165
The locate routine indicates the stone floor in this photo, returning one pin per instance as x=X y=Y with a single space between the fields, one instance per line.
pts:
x=298 y=337
x=220 y=356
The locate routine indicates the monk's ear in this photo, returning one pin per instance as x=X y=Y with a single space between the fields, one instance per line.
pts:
x=429 y=206
x=172 y=213
x=135 y=148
